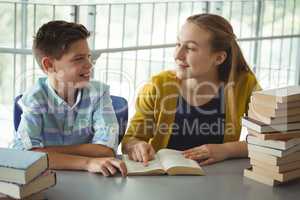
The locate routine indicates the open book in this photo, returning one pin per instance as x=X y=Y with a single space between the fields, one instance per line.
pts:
x=166 y=161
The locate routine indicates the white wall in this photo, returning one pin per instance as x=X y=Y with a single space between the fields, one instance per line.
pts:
x=6 y=125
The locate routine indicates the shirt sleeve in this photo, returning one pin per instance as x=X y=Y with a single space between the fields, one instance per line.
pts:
x=105 y=123
x=28 y=135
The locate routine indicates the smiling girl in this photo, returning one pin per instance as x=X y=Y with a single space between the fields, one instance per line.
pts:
x=196 y=108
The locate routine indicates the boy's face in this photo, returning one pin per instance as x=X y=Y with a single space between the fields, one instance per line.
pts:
x=73 y=69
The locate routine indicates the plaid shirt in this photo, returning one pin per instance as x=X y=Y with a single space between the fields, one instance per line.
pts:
x=47 y=120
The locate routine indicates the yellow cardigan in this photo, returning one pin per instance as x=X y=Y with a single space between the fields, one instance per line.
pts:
x=156 y=108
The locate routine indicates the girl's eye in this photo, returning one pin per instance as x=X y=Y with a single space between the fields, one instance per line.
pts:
x=190 y=48
x=177 y=44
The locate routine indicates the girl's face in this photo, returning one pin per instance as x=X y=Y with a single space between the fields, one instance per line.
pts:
x=193 y=54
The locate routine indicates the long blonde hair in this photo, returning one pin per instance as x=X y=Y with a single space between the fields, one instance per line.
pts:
x=224 y=39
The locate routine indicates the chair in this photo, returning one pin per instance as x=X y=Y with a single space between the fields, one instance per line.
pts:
x=120 y=106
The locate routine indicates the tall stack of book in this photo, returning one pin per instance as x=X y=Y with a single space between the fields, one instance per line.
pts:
x=273 y=124
x=24 y=174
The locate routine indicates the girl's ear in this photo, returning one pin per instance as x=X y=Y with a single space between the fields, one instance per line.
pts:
x=221 y=57
x=47 y=64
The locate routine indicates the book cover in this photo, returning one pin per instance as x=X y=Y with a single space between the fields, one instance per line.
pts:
x=278 y=95
x=273 y=160
x=37 y=196
x=274 y=152
x=265 y=128
x=275 y=135
x=18 y=191
x=276 y=105
x=19 y=159
x=263 y=111
x=21 y=166
x=281 y=177
x=248 y=173
x=276 y=168
x=275 y=144
x=262 y=116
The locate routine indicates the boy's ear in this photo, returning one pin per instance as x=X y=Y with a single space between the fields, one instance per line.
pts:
x=47 y=64
x=221 y=57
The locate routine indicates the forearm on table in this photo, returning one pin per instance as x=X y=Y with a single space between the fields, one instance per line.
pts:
x=89 y=150
x=236 y=149
x=60 y=161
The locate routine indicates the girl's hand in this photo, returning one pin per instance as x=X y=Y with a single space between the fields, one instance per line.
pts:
x=141 y=152
x=208 y=153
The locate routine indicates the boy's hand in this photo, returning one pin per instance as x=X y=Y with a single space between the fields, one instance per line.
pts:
x=106 y=166
x=141 y=152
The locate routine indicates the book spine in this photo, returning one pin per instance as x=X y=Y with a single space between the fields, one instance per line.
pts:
x=47 y=156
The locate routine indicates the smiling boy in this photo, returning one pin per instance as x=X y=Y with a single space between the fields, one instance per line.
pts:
x=65 y=114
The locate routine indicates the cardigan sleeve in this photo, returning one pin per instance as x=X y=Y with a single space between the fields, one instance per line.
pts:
x=245 y=86
x=142 y=124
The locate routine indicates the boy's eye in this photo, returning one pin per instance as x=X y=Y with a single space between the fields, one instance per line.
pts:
x=79 y=59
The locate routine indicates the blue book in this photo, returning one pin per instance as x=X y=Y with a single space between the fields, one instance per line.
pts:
x=21 y=167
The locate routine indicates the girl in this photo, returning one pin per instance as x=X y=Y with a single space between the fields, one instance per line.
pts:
x=198 y=107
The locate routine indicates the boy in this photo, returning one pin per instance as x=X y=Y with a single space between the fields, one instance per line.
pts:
x=66 y=115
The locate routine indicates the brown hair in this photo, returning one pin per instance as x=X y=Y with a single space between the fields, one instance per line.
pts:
x=54 y=38
x=224 y=39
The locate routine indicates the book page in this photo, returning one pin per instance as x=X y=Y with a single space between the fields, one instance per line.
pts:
x=134 y=167
x=171 y=158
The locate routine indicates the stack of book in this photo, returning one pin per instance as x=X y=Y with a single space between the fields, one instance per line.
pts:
x=24 y=174
x=273 y=124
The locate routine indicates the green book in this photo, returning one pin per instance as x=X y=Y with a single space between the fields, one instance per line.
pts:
x=21 y=167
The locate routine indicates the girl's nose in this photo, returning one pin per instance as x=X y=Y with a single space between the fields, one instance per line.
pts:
x=179 y=53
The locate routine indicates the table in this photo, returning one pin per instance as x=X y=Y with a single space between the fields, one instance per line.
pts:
x=222 y=181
